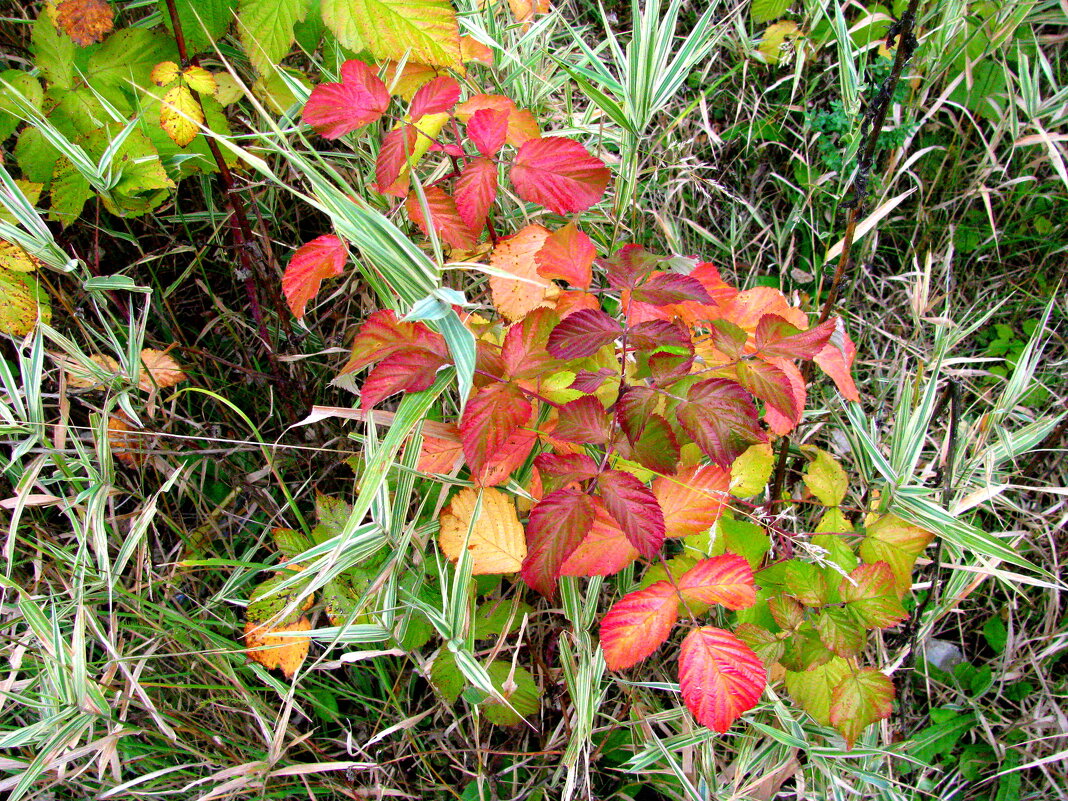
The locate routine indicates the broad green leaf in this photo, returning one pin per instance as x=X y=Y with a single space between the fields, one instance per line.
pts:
x=838 y=550
x=720 y=677
x=267 y=602
x=331 y=515
x=767 y=10
x=743 y=538
x=806 y=582
x=290 y=543
x=520 y=690
x=813 y=689
x=750 y=471
x=126 y=58
x=446 y=676
x=53 y=52
x=22 y=302
x=764 y=644
x=16 y=89
x=774 y=37
x=871 y=596
x=266 y=29
x=35 y=156
x=424 y=31
x=203 y=21
x=860 y=699
x=825 y=477
x=839 y=631
x=340 y=18
x=804 y=649
x=890 y=539
x=834 y=521
x=494 y=618
x=69 y=191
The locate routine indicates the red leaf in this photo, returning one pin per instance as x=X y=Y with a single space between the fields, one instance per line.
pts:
x=560 y=470
x=657 y=448
x=492 y=415
x=664 y=289
x=779 y=423
x=860 y=699
x=637 y=624
x=335 y=109
x=720 y=677
x=720 y=417
x=397 y=145
x=771 y=385
x=654 y=334
x=836 y=360
x=583 y=421
x=567 y=254
x=629 y=266
x=408 y=370
x=635 y=405
x=383 y=335
x=521 y=124
x=435 y=97
x=779 y=338
x=634 y=507
x=323 y=257
x=726 y=579
x=557 y=525
x=559 y=174
x=590 y=382
x=693 y=500
x=488 y=128
x=475 y=191
x=523 y=352
x=502 y=462
x=603 y=552
x=448 y=223
x=583 y=334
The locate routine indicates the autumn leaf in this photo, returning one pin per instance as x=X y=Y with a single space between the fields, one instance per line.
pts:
x=494 y=538
x=127 y=444
x=522 y=126
x=720 y=677
x=180 y=115
x=890 y=539
x=567 y=254
x=475 y=191
x=557 y=525
x=635 y=508
x=85 y=21
x=435 y=97
x=772 y=385
x=825 y=477
x=514 y=298
x=693 y=499
x=720 y=417
x=488 y=129
x=778 y=338
x=323 y=257
x=335 y=109
x=265 y=622
x=444 y=217
x=860 y=699
x=164 y=73
x=583 y=334
x=160 y=370
x=665 y=289
x=604 y=551
x=726 y=580
x=583 y=421
x=637 y=625
x=525 y=10
x=751 y=471
x=394 y=157
x=491 y=416
x=558 y=470
x=559 y=174
x=870 y=595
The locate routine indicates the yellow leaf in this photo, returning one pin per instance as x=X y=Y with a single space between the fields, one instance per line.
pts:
x=227 y=89
x=164 y=73
x=516 y=298
x=161 y=370
x=22 y=303
x=525 y=10
x=180 y=115
x=495 y=538
x=13 y=257
x=199 y=80
x=264 y=645
x=771 y=43
x=750 y=471
x=824 y=477
x=411 y=78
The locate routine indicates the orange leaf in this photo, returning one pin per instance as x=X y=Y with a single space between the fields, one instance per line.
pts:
x=522 y=126
x=264 y=645
x=515 y=298
x=720 y=677
x=85 y=21
x=637 y=625
x=568 y=254
x=726 y=579
x=323 y=257
x=444 y=216
x=603 y=552
x=693 y=499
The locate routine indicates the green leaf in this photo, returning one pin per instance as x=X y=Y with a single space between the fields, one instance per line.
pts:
x=426 y=30
x=126 y=58
x=265 y=604
x=825 y=478
x=331 y=515
x=839 y=631
x=838 y=550
x=340 y=18
x=859 y=700
x=290 y=543
x=806 y=582
x=518 y=687
x=203 y=21
x=446 y=677
x=743 y=538
x=750 y=471
x=266 y=29
x=997 y=636
x=805 y=650
x=764 y=644
x=53 y=52
x=870 y=596
x=767 y=10
x=494 y=618
x=69 y=192
x=812 y=689
x=35 y=156
x=897 y=543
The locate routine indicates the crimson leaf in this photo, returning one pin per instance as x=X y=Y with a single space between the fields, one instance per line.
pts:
x=583 y=334
x=720 y=417
x=488 y=129
x=435 y=97
x=335 y=109
x=559 y=174
x=491 y=416
x=635 y=508
x=556 y=527
x=476 y=189
x=583 y=421
x=664 y=289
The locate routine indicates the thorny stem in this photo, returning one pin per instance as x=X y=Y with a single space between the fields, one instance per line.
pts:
x=245 y=241
x=873 y=123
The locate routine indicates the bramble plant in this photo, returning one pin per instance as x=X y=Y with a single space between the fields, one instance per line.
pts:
x=635 y=404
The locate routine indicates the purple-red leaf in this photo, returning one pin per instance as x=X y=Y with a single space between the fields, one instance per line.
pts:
x=635 y=405
x=657 y=448
x=335 y=109
x=435 y=97
x=770 y=384
x=720 y=417
x=567 y=254
x=476 y=189
x=523 y=352
x=664 y=289
x=446 y=220
x=488 y=129
x=637 y=624
x=557 y=470
x=556 y=527
x=635 y=508
x=490 y=418
x=559 y=174
x=583 y=421
x=778 y=338
x=653 y=334
x=720 y=677
x=323 y=257
x=382 y=334
x=583 y=334
x=629 y=266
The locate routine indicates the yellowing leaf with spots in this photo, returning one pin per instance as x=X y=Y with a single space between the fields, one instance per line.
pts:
x=516 y=297
x=22 y=302
x=180 y=115
x=267 y=617
x=164 y=73
x=199 y=80
x=494 y=537
x=771 y=43
x=13 y=257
